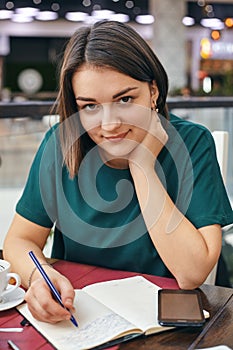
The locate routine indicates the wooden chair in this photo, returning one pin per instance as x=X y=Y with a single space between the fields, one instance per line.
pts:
x=221 y=143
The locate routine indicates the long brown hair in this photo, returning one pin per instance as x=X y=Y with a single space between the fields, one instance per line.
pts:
x=105 y=44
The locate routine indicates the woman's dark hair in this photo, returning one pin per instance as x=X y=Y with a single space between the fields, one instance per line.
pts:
x=105 y=44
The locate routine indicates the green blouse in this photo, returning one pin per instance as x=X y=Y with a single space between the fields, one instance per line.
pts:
x=97 y=216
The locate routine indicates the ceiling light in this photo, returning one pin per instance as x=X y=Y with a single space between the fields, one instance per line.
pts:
x=188 y=21
x=76 y=16
x=27 y=11
x=137 y=10
x=129 y=4
x=21 y=18
x=119 y=17
x=210 y=22
x=102 y=14
x=145 y=19
x=6 y=14
x=215 y=34
x=96 y=7
x=218 y=26
x=201 y=3
x=9 y=5
x=86 y=3
x=46 y=16
x=229 y=22
x=55 y=6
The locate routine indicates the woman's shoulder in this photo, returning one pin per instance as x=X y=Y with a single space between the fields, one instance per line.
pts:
x=49 y=144
x=190 y=131
x=50 y=137
x=184 y=124
x=53 y=129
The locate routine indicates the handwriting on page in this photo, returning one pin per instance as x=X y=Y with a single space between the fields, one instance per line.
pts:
x=100 y=330
x=135 y=299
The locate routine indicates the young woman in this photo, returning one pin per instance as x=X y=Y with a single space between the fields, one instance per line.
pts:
x=125 y=184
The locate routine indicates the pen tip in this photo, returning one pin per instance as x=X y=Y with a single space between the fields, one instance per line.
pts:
x=73 y=320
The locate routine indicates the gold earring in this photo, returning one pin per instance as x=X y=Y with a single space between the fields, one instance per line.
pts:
x=155 y=108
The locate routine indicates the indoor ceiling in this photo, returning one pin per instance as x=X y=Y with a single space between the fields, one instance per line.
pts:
x=130 y=10
x=209 y=9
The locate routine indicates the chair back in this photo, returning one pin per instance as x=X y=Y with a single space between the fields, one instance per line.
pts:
x=221 y=143
x=221 y=139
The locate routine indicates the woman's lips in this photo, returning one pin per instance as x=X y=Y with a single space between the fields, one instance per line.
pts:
x=116 y=138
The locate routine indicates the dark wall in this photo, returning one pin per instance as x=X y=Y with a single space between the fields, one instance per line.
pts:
x=42 y=54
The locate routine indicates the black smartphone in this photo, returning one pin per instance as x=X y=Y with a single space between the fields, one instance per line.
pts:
x=180 y=308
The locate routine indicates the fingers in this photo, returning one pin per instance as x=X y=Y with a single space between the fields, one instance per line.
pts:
x=67 y=294
x=44 y=307
x=162 y=135
x=157 y=130
x=156 y=136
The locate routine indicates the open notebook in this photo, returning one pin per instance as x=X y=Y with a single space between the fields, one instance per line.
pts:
x=107 y=312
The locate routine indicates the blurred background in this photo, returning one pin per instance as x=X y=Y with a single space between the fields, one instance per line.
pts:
x=193 y=40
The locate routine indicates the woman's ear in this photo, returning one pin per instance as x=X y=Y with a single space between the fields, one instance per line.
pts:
x=154 y=94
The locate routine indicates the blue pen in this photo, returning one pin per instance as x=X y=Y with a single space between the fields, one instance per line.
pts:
x=51 y=286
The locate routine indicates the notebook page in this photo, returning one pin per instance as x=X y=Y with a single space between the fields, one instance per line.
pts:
x=97 y=325
x=134 y=298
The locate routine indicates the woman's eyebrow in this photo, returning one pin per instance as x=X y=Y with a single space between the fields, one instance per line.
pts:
x=120 y=93
x=124 y=91
x=80 y=98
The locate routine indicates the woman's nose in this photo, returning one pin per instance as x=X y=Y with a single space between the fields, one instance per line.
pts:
x=110 y=119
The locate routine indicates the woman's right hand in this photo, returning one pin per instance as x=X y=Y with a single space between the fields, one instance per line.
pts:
x=148 y=150
x=41 y=303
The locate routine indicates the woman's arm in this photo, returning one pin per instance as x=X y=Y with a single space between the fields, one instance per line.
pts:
x=189 y=253
x=22 y=237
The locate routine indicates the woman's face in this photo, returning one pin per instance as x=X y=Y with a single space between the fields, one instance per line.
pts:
x=115 y=110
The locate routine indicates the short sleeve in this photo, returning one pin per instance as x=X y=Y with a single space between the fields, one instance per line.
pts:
x=31 y=204
x=209 y=203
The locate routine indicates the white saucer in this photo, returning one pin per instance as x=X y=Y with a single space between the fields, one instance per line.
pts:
x=12 y=299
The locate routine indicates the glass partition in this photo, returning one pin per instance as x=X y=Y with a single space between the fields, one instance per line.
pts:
x=217 y=118
x=19 y=140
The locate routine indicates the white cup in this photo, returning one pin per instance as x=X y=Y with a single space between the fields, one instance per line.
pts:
x=5 y=276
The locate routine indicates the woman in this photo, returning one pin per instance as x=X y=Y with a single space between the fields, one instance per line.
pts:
x=126 y=185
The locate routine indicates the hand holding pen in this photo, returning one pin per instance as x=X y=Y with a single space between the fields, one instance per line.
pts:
x=53 y=289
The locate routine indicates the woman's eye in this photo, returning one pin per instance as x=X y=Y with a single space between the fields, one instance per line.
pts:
x=125 y=99
x=90 y=107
